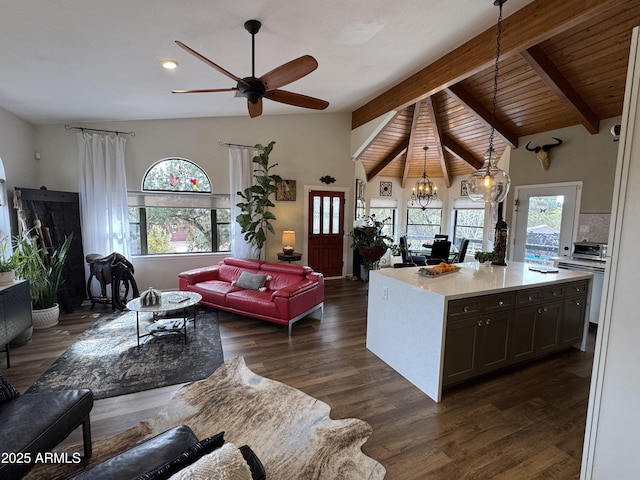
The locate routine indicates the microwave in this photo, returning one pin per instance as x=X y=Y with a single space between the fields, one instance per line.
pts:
x=590 y=250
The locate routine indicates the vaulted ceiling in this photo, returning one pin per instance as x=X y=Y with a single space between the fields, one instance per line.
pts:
x=562 y=63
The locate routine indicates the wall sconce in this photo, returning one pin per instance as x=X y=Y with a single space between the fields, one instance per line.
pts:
x=288 y=241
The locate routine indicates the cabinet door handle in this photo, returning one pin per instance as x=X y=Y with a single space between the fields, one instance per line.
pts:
x=530 y=297
x=539 y=310
x=578 y=290
x=577 y=304
x=479 y=323
x=500 y=303
x=465 y=309
x=544 y=309
x=488 y=321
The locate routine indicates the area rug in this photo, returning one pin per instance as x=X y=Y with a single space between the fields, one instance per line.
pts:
x=106 y=358
x=289 y=431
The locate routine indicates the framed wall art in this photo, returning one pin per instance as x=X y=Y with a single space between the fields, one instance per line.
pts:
x=385 y=189
x=464 y=192
x=286 y=191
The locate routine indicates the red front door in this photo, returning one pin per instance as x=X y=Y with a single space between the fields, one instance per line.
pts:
x=326 y=233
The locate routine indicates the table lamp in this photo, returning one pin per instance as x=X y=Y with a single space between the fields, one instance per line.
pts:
x=288 y=241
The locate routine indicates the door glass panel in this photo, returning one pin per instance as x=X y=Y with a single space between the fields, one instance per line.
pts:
x=544 y=221
x=326 y=214
x=336 y=215
x=316 y=215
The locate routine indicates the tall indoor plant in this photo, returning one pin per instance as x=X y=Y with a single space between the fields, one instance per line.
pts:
x=370 y=242
x=255 y=218
x=42 y=267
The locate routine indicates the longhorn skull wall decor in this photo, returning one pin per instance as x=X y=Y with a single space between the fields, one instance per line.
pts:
x=543 y=152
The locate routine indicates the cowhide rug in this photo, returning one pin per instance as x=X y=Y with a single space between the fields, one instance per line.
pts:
x=289 y=431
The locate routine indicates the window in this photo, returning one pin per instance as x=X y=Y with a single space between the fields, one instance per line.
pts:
x=422 y=225
x=176 y=213
x=388 y=217
x=469 y=223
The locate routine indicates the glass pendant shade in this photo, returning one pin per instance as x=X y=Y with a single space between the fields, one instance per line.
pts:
x=489 y=183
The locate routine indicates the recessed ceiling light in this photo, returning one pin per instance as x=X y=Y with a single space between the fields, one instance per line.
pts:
x=169 y=64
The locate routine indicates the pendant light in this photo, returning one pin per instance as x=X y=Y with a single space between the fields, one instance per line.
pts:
x=490 y=183
x=424 y=191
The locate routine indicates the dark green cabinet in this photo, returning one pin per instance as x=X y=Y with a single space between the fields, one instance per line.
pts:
x=487 y=333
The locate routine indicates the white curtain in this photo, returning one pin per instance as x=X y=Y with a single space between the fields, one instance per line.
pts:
x=240 y=177
x=103 y=194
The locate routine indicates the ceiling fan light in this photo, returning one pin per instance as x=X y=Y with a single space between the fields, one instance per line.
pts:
x=169 y=64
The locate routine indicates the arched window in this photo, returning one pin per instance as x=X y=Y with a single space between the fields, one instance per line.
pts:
x=176 y=212
x=176 y=175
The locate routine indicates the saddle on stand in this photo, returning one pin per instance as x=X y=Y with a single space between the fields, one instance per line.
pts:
x=114 y=270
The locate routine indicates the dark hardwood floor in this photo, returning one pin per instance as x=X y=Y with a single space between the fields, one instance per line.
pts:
x=525 y=423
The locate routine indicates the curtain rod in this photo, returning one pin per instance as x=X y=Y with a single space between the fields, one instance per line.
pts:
x=69 y=127
x=222 y=144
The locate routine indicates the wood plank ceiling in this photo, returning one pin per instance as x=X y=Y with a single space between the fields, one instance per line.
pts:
x=571 y=71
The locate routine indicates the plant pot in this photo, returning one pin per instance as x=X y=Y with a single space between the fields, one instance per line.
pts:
x=7 y=278
x=23 y=337
x=372 y=254
x=45 y=318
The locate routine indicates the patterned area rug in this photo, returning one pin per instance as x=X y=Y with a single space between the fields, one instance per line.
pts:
x=290 y=431
x=106 y=358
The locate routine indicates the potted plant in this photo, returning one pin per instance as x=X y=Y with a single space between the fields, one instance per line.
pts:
x=483 y=257
x=255 y=218
x=8 y=262
x=370 y=242
x=42 y=267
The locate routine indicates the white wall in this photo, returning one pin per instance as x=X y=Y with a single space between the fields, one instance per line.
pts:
x=308 y=146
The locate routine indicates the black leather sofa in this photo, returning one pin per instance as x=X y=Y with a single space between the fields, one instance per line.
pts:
x=164 y=455
x=33 y=424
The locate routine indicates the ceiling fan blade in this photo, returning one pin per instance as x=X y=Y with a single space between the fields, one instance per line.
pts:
x=210 y=63
x=297 y=99
x=289 y=72
x=255 y=109
x=206 y=90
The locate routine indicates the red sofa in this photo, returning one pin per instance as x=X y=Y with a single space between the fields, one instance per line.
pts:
x=290 y=293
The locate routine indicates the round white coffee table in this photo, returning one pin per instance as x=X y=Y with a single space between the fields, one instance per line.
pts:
x=170 y=301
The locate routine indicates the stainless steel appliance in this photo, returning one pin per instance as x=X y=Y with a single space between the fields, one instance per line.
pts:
x=597 y=268
x=590 y=250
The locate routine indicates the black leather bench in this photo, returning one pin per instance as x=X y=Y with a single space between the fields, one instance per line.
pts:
x=33 y=424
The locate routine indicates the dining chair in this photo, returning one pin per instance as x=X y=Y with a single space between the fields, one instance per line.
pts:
x=439 y=252
x=462 y=251
x=407 y=256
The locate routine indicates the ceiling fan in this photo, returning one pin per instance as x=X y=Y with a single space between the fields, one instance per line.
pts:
x=268 y=85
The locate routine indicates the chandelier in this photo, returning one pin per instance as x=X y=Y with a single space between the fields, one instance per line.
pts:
x=424 y=190
x=490 y=183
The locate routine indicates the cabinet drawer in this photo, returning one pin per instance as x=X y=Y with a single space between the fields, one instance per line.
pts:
x=529 y=297
x=554 y=292
x=576 y=288
x=464 y=308
x=498 y=302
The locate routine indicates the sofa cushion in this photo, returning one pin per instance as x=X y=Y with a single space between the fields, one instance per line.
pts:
x=253 y=302
x=214 y=291
x=7 y=392
x=231 y=273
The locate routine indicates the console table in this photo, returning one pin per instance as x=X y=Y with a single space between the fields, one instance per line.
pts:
x=15 y=313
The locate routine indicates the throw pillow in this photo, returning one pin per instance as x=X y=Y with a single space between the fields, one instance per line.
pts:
x=186 y=458
x=251 y=281
x=7 y=392
x=226 y=463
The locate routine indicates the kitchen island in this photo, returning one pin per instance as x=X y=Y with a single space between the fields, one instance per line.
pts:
x=444 y=330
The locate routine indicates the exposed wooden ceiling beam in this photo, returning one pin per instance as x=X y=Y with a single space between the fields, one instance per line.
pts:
x=462 y=153
x=529 y=26
x=548 y=72
x=438 y=136
x=399 y=150
x=412 y=140
x=482 y=114
x=380 y=130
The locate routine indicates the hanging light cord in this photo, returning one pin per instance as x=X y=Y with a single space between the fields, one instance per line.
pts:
x=499 y=3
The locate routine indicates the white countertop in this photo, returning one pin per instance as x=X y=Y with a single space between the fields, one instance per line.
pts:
x=476 y=279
